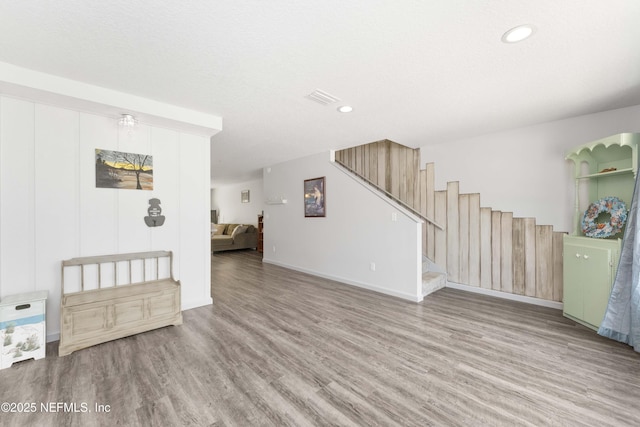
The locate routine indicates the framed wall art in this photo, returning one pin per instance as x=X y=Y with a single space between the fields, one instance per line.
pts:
x=244 y=196
x=115 y=169
x=315 y=198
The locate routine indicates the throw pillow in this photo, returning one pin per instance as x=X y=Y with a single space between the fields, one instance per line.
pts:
x=239 y=230
x=230 y=228
x=219 y=230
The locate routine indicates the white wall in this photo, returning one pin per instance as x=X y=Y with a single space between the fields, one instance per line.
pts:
x=51 y=210
x=357 y=231
x=226 y=200
x=523 y=170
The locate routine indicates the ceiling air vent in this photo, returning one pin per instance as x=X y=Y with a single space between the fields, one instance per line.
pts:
x=322 y=97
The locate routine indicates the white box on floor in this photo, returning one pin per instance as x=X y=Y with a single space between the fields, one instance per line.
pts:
x=22 y=327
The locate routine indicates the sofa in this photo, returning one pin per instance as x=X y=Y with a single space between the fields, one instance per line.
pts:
x=228 y=237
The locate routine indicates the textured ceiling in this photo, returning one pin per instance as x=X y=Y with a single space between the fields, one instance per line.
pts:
x=417 y=72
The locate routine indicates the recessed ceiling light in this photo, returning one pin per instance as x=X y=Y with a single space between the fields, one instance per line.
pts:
x=518 y=33
x=345 y=108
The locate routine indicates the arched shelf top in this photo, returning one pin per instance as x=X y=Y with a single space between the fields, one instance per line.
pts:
x=620 y=150
x=585 y=152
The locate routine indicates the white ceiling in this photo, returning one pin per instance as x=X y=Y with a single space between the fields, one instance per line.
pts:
x=416 y=72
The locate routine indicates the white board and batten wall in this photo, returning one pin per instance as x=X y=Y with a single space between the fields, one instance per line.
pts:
x=363 y=240
x=51 y=210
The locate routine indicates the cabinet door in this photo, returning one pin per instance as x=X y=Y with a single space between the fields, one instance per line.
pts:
x=574 y=279
x=598 y=287
x=587 y=282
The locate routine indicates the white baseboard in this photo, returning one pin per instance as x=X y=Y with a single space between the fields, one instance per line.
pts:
x=408 y=297
x=188 y=305
x=505 y=295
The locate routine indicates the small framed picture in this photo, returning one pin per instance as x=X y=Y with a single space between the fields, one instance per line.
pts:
x=314 y=197
x=244 y=196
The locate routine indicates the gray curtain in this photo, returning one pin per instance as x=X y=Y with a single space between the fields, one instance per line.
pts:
x=622 y=318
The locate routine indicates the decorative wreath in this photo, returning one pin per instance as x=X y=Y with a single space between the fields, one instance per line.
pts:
x=612 y=205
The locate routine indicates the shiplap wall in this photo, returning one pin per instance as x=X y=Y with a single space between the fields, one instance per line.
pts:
x=50 y=208
x=478 y=246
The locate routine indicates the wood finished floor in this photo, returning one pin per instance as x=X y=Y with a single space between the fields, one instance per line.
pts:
x=283 y=348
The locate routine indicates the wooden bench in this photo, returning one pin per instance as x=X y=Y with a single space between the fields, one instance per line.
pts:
x=115 y=296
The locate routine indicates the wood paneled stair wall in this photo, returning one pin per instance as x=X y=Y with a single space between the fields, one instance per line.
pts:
x=477 y=246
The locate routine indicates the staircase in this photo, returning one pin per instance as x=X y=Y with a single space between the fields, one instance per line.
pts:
x=462 y=242
x=432 y=278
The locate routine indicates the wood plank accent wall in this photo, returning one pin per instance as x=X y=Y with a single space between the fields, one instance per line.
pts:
x=479 y=247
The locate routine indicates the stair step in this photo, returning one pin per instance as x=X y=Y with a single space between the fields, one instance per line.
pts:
x=432 y=281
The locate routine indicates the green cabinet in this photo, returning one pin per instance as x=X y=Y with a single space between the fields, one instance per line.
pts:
x=589 y=270
x=602 y=168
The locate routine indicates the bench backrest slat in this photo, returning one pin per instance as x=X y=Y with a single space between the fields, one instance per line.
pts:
x=115 y=260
